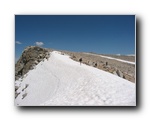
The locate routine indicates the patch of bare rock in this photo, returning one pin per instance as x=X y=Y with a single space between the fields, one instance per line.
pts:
x=30 y=57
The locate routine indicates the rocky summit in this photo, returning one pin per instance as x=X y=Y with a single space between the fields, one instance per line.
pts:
x=30 y=57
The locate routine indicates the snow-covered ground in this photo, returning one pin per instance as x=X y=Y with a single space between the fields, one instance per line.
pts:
x=120 y=60
x=131 y=55
x=62 y=81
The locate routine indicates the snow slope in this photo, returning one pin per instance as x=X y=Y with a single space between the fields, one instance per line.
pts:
x=62 y=81
x=120 y=60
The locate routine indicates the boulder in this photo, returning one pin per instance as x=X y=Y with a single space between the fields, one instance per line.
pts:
x=115 y=73
x=16 y=88
x=24 y=95
x=119 y=73
x=36 y=62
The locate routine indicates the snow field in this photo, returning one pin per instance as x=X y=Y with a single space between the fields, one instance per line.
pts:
x=62 y=81
x=120 y=60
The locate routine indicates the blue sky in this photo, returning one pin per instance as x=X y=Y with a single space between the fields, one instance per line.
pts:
x=108 y=34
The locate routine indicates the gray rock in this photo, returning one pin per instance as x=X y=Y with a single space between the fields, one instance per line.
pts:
x=16 y=94
x=17 y=77
x=24 y=95
x=36 y=62
x=16 y=88
x=115 y=73
x=119 y=73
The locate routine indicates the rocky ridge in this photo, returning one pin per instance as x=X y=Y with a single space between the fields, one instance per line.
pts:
x=32 y=55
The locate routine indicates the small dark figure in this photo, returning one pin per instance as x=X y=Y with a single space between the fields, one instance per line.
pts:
x=80 y=60
x=95 y=64
x=106 y=63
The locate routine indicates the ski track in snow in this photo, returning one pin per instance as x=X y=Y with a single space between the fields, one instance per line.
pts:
x=120 y=60
x=61 y=81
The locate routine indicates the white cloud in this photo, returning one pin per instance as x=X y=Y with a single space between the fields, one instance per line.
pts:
x=39 y=43
x=17 y=42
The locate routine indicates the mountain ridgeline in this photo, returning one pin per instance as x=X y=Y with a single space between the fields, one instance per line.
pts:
x=33 y=55
x=30 y=57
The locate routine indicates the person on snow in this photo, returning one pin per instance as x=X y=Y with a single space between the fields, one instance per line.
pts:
x=80 y=60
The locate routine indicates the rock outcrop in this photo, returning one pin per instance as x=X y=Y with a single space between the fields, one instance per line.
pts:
x=120 y=69
x=31 y=56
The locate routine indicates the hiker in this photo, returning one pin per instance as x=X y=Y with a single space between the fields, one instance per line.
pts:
x=95 y=65
x=80 y=60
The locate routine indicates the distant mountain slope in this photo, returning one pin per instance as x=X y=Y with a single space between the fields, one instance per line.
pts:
x=118 y=65
x=130 y=57
x=114 y=58
x=59 y=80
